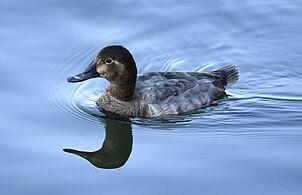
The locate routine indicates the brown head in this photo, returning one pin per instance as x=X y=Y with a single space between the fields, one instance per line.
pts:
x=115 y=64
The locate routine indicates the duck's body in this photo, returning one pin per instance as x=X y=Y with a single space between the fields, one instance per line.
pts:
x=157 y=93
x=167 y=93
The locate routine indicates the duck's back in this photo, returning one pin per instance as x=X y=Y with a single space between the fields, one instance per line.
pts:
x=178 y=92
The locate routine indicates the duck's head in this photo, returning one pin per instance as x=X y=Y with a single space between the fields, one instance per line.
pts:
x=115 y=64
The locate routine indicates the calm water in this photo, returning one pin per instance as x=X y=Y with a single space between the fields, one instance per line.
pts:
x=249 y=143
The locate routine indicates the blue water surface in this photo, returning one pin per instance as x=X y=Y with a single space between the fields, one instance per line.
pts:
x=247 y=143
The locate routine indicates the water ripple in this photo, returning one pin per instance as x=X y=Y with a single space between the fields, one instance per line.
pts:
x=209 y=41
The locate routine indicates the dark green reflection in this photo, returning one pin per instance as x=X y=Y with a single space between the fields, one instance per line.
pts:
x=115 y=150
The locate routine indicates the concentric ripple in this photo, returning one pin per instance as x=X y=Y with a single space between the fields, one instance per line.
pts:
x=255 y=103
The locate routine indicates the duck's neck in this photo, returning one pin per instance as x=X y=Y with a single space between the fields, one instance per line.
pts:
x=122 y=91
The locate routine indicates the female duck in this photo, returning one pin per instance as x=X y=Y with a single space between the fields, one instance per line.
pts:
x=156 y=93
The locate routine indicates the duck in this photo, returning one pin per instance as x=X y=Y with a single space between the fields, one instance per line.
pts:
x=153 y=94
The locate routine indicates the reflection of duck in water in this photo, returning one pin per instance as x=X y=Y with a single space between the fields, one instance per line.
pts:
x=156 y=93
x=115 y=150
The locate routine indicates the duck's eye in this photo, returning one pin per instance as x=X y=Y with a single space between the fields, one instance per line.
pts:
x=108 y=61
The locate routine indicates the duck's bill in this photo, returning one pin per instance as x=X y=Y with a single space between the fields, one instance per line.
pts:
x=89 y=73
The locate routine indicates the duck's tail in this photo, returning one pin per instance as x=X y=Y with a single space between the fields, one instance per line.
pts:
x=229 y=74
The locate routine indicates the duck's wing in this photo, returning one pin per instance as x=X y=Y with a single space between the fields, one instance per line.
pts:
x=157 y=87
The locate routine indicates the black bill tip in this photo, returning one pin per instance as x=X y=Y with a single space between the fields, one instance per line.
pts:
x=74 y=79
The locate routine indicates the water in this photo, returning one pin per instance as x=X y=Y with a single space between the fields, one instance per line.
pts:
x=249 y=143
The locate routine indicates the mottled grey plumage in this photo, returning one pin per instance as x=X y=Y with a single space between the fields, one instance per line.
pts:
x=157 y=93
x=176 y=92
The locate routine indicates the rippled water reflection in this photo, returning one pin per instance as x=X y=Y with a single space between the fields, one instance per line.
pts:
x=247 y=143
